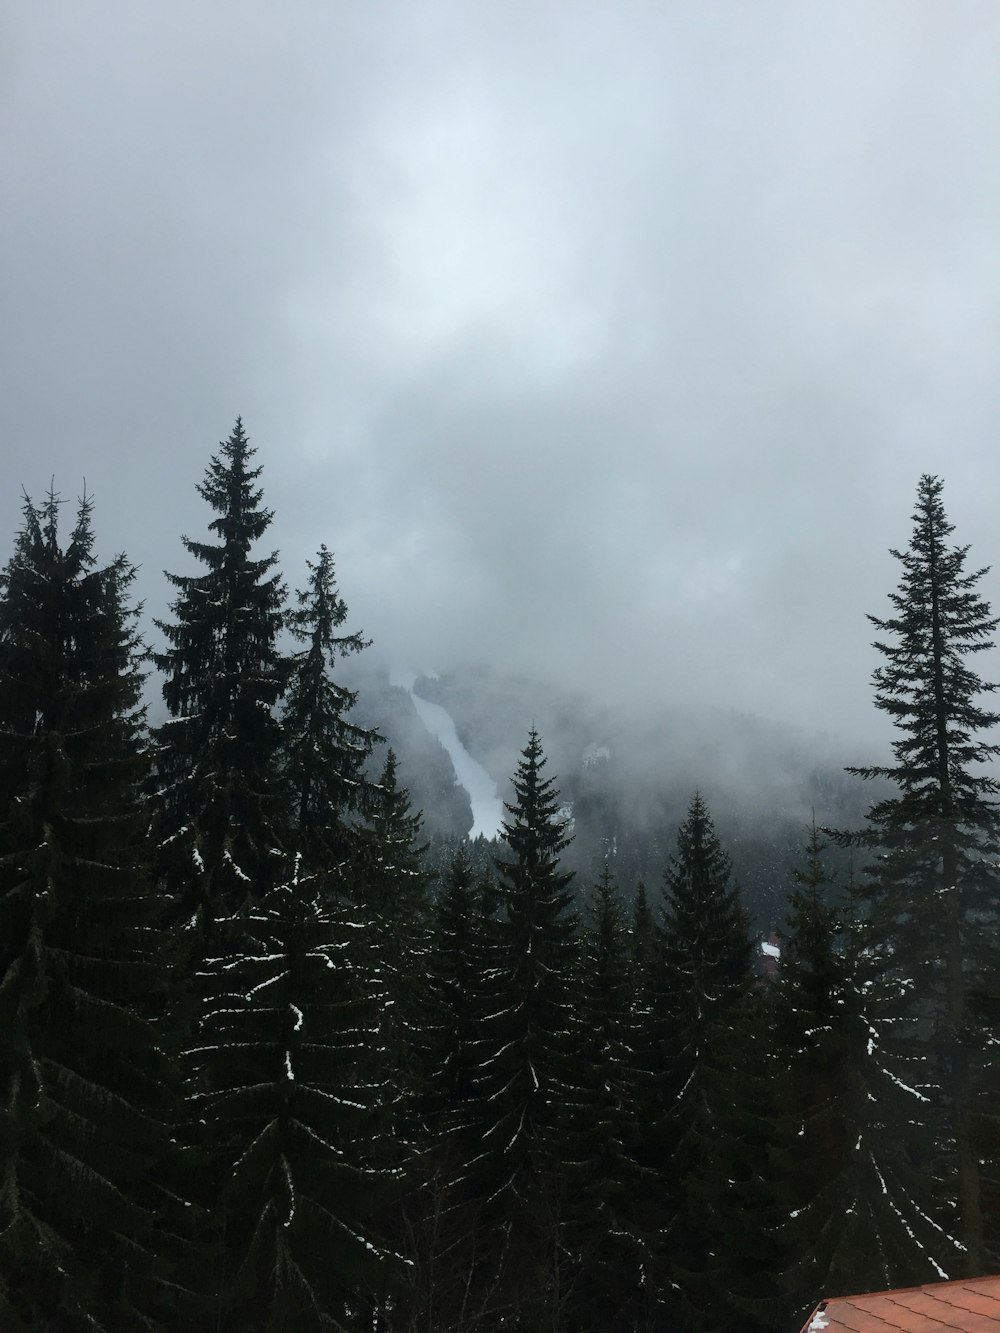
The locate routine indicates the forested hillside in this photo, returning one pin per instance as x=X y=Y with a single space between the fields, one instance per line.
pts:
x=626 y=775
x=281 y=1053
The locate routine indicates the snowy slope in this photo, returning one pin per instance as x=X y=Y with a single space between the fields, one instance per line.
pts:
x=487 y=808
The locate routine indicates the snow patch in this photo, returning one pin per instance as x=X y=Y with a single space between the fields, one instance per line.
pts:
x=487 y=807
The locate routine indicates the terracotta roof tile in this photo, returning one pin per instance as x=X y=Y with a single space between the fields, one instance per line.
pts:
x=971 y=1305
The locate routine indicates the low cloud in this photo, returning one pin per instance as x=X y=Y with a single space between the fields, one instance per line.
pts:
x=609 y=345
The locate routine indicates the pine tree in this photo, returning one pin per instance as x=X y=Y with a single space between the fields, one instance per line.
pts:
x=326 y=752
x=83 y=1083
x=391 y=883
x=447 y=1060
x=816 y=1007
x=393 y=879
x=526 y=1075
x=932 y=894
x=607 y=1235
x=220 y=798
x=454 y=970
x=856 y=1212
x=698 y=999
x=220 y=801
x=287 y=1048
x=643 y=938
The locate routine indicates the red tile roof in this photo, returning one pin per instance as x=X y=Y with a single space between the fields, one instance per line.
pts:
x=971 y=1305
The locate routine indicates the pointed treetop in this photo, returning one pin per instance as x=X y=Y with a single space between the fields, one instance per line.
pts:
x=228 y=487
x=537 y=802
x=321 y=611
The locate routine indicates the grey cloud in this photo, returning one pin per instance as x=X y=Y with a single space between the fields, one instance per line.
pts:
x=610 y=341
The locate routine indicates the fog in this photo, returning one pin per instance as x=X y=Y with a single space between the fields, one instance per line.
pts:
x=605 y=342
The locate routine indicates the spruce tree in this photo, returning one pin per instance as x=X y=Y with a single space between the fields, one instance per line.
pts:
x=325 y=752
x=393 y=878
x=816 y=1007
x=607 y=1233
x=83 y=1083
x=696 y=1023
x=526 y=1076
x=856 y=1213
x=642 y=940
x=454 y=972
x=287 y=1056
x=220 y=801
x=447 y=1059
x=391 y=883
x=220 y=797
x=932 y=893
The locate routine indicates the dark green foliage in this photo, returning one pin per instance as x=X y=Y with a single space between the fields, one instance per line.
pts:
x=287 y=1057
x=325 y=752
x=698 y=999
x=607 y=1235
x=534 y=966
x=220 y=799
x=441 y=1209
x=857 y=1215
x=82 y=1078
x=393 y=881
x=526 y=1078
x=706 y=948
x=642 y=941
x=392 y=885
x=743 y=1275
x=455 y=964
x=220 y=805
x=816 y=1014
x=931 y=899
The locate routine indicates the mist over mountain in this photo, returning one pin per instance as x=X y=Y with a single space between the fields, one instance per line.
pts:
x=625 y=772
x=424 y=766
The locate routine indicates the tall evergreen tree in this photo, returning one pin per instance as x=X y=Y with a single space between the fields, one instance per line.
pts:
x=526 y=1076
x=82 y=1076
x=325 y=751
x=856 y=1212
x=393 y=884
x=611 y=1290
x=219 y=796
x=448 y=1038
x=642 y=941
x=288 y=1054
x=220 y=799
x=394 y=880
x=932 y=894
x=698 y=1000
x=816 y=1003
x=454 y=968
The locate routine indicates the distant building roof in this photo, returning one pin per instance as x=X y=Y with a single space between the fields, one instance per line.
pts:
x=971 y=1305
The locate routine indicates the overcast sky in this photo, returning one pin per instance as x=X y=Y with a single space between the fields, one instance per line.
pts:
x=607 y=338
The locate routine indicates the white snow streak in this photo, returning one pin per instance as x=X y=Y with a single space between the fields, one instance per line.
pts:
x=487 y=808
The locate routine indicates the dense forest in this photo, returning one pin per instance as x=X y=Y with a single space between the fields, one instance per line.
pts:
x=269 y=1063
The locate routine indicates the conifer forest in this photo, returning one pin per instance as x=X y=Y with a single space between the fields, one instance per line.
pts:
x=274 y=1061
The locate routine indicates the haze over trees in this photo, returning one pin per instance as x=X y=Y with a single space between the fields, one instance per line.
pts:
x=270 y=1061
